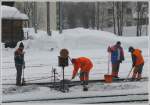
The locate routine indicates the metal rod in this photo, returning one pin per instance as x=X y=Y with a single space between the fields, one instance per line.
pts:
x=63 y=78
x=69 y=58
x=54 y=78
x=108 y=61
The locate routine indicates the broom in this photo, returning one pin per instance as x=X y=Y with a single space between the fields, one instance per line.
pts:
x=129 y=74
x=106 y=76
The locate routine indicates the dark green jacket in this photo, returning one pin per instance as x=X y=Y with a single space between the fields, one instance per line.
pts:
x=19 y=57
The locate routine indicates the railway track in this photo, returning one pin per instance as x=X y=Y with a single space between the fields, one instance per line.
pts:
x=121 y=98
x=123 y=101
x=72 y=83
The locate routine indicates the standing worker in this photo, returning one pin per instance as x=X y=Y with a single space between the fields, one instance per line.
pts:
x=117 y=56
x=19 y=63
x=85 y=65
x=137 y=63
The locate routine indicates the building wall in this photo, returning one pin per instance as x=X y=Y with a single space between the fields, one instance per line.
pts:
x=108 y=14
x=40 y=8
x=12 y=30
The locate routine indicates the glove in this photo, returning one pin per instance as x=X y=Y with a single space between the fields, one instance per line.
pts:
x=133 y=65
x=72 y=77
x=120 y=61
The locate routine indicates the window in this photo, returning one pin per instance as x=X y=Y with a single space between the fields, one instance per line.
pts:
x=110 y=11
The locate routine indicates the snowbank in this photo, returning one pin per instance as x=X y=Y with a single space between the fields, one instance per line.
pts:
x=80 y=38
x=12 y=13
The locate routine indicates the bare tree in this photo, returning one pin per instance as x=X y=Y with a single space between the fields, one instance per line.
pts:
x=119 y=6
x=80 y=14
x=97 y=17
x=114 y=18
x=142 y=9
x=28 y=9
x=48 y=18
x=102 y=14
x=60 y=17
x=35 y=17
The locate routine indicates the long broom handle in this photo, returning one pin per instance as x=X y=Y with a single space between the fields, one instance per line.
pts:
x=69 y=58
x=22 y=72
x=129 y=73
x=108 y=61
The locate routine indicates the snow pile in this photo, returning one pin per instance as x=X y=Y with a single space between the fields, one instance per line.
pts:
x=80 y=38
x=12 y=13
x=39 y=41
x=93 y=39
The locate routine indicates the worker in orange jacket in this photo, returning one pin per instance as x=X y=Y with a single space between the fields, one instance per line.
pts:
x=138 y=63
x=85 y=65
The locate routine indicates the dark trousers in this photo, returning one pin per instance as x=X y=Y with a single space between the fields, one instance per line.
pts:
x=19 y=73
x=115 y=69
x=84 y=77
x=137 y=72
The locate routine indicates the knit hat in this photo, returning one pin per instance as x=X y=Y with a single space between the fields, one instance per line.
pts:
x=131 y=49
x=21 y=45
x=73 y=60
x=118 y=43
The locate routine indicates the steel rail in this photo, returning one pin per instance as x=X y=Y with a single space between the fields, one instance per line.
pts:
x=78 y=82
x=70 y=98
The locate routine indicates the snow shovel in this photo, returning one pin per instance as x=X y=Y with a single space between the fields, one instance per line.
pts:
x=129 y=74
x=108 y=77
x=23 y=79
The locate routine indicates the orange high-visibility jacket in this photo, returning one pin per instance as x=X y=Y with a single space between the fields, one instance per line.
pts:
x=82 y=63
x=139 y=57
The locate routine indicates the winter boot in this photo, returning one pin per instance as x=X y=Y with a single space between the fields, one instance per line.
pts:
x=85 y=88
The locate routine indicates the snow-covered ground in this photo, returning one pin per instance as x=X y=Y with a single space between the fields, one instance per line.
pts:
x=41 y=55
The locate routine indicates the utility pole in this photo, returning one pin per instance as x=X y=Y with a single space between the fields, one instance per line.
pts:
x=60 y=17
x=48 y=19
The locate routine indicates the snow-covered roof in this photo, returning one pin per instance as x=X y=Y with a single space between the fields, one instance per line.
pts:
x=12 y=13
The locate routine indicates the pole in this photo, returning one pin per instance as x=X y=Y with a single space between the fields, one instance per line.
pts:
x=54 y=78
x=70 y=59
x=108 y=62
x=95 y=11
x=98 y=10
x=63 y=79
x=129 y=74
